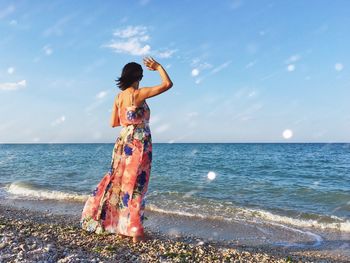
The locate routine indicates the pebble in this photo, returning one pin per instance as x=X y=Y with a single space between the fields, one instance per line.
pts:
x=72 y=244
x=49 y=247
x=20 y=255
x=2 y=245
x=33 y=246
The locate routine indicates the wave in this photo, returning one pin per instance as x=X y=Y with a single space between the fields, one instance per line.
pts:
x=247 y=214
x=338 y=224
x=28 y=190
x=22 y=189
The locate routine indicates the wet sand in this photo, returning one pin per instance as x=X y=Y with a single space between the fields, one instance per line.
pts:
x=57 y=237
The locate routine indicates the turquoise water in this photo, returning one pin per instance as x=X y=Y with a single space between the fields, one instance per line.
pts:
x=299 y=184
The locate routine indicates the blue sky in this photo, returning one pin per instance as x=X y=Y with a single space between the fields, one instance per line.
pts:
x=243 y=71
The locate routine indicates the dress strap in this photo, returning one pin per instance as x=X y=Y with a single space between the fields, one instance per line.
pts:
x=132 y=97
x=118 y=104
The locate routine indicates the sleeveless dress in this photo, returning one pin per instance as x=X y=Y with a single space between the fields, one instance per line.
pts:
x=117 y=204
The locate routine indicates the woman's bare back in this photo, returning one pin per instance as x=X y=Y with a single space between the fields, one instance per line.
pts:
x=129 y=97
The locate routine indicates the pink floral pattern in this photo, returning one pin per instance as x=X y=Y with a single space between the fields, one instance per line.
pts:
x=117 y=204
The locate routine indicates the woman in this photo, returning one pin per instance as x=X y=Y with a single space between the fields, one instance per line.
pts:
x=117 y=204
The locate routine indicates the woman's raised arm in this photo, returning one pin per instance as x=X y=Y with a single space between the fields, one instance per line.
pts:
x=147 y=92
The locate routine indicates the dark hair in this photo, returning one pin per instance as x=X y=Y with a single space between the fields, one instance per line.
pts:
x=131 y=72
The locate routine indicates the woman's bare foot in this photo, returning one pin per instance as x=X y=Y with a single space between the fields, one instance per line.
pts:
x=122 y=236
x=137 y=239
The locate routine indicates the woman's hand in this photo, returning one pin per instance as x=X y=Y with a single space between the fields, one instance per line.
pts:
x=151 y=64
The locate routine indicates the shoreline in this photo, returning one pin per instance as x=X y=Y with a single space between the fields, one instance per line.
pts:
x=42 y=235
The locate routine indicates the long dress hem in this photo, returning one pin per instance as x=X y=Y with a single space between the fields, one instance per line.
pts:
x=117 y=204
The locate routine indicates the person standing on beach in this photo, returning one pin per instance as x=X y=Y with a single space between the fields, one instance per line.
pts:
x=117 y=204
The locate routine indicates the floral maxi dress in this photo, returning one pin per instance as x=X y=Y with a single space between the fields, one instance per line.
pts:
x=117 y=204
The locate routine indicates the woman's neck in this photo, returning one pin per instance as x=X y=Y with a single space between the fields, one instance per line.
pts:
x=135 y=85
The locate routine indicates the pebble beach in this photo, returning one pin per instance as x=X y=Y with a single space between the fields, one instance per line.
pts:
x=37 y=236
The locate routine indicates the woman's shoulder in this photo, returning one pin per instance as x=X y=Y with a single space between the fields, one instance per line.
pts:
x=137 y=98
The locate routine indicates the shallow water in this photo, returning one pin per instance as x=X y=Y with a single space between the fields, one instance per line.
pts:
x=297 y=185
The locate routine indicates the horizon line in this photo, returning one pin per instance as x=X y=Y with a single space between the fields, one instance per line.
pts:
x=315 y=142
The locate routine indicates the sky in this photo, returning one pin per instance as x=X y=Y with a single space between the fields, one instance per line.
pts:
x=243 y=71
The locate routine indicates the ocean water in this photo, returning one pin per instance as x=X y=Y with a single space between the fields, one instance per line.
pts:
x=306 y=185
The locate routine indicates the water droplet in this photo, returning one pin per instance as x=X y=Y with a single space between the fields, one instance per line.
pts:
x=211 y=175
x=287 y=134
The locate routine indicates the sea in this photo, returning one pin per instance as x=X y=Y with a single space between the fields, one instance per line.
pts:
x=295 y=185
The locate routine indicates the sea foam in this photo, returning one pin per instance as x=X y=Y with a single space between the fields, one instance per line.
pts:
x=22 y=189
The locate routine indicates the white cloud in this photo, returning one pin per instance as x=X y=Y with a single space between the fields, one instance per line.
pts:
x=13 y=85
x=131 y=31
x=162 y=128
x=132 y=46
x=7 y=11
x=10 y=70
x=101 y=95
x=93 y=106
x=269 y=76
x=250 y=64
x=338 y=66
x=252 y=94
x=247 y=113
x=291 y=67
x=221 y=67
x=205 y=65
x=97 y=102
x=166 y=53
x=195 y=72
x=13 y=22
x=57 y=28
x=243 y=93
x=293 y=59
x=195 y=61
x=154 y=119
x=190 y=118
x=131 y=41
x=198 y=81
x=200 y=65
x=48 y=50
x=58 y=121
x=94 y=65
